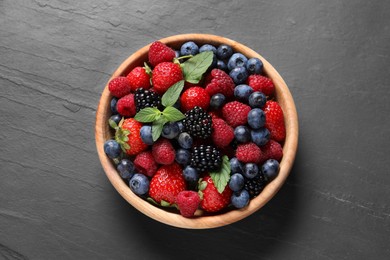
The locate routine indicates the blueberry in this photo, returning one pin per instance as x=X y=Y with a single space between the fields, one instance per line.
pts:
x=190 y=174
x=185 y=140
x=270 y=169
x=239 y=75
x=242 y=134
x=170 y=130
x=116 y=118
x=236 y=182
x=126 y=168
x=224 y=52
x=214 y=63
x=256 y=118
x=139 y=184
x=242 y=92
x=237 y=60
x=254 y=66
x=208 y=47
x=240 y=199
x=257 y=99
x=183 y=156
x=113 y=105
x=251 y=170
x=236 y=166
x=181 y=126
x=112 y=149
x=221 y=65
x=189 y=48
x=146 y=134
x=260 y=136
x=217 y=101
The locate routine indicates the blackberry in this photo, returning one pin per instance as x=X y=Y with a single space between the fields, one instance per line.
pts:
x=205 y=158
x=198 y=123
x=255 y=186
x=146 y=98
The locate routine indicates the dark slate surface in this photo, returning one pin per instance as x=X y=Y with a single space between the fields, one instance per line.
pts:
x=55 y=58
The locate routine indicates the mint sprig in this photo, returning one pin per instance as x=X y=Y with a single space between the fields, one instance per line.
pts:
x=172 y=94
x=222 y=177
x=195 y=67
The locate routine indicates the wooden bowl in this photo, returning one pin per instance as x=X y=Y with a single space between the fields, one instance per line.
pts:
x=283 y=96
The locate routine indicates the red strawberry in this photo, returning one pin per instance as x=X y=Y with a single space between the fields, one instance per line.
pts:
x=274 y=121
x=272 y=150
x=145 y=163
x=167 y=183
x=219 y=82
x=119 y=86
x=235 y=113
x=194 y=96
x=134 y=142
x=138 y=78
x=188 y=202
x=163 y=151
x=249 y=153
x=212 y=200
x=164 y=75
x=262 y=84
x=222 y=133
x=126 y=106
x=159 y=52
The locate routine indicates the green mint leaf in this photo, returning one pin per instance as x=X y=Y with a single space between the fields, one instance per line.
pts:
x=221 y=178
x=195 y=67
x=157 y=127
x=172 y=114
x=172 y=94
x=147 y=115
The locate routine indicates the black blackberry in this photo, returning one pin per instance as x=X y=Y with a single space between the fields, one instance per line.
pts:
x=205 y=158
x=146 y=98
x=255 y=186
x=198 y=123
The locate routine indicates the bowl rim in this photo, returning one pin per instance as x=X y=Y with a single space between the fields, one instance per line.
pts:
x=283 y=96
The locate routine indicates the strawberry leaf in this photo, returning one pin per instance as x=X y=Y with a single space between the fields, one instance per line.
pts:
x=112 y=123
x=147 y=115
x=195 y=67
x=172 y=114
x=172 y=94
x=221 y=178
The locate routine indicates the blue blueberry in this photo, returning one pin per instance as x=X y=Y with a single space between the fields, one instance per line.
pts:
x=237 y=60
x=221 y=65
x=208 y=47
x=242 y=92
x=112 y=149
x=190 y=174
x=257 y=99
x=146 y=134
x=239 y=75
x=270 y=169
x=185 y=140
x=183 y=156
x=236 y=166
x=181 y=126
x=113 y=105
x=251 y=170
x=214 y=63
x=139 y=184
x=126 y=168
x=254 y=66
x=260 y=136
x=116 y=118
x=240 y=199
x=189 y=48
x=170 y=130
x=224 y=52
x=236 y=182
x=256 y=118
x=217 y=101
x=242 y=134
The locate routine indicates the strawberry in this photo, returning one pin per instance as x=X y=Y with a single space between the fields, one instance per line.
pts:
x=219 y=82
x=262 y=84
x=128 y=136
x=272 y=150
x=164 y=75
x=222 y=133
x=145 y=163
x=274 y=121
x=126 y=106
x=235 y=113
x=138 y=78
x=119 y=86
x=187 y=202
x=249 y=153
x=212 y=200
x=194 y=96
x=159 y=52
x=163 y=151
x=167 y=183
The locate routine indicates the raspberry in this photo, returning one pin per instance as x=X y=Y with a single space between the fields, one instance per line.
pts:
x=249 y=153
x=144 y=162
x=163 y=151
x=194 y=96
x=235 y=113
x=262 y=84
x=126 y=106
x=164 y=75
x=274 y=121
x=138 y=78
x=188 y=202
x=119 y=87
x=219 y=82
x=222 y=133
x=272 y=150
x=159 y=52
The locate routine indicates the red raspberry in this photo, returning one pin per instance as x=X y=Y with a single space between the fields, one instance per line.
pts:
x=159 y=52
x=219 y=82
x=126 y=106
x=138 y=78
x=194 y=96
x=188 y=202
x=144 y=162
x=262 y=84
x=119 y=86
x=164 y=75
x=222 y=133
x=274 y=120
x=163 y=151
x=235 y=113
x=249 y=153
x=272 y=150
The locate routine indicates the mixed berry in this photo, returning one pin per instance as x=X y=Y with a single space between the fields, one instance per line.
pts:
x=196 y=128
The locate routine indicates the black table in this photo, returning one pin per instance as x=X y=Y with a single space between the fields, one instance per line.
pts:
x=55 y=59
